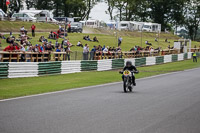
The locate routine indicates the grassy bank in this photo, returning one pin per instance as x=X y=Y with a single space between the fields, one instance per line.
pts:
x=107 y=40
x=105 y=37
x=14 y=26
x=28 y=86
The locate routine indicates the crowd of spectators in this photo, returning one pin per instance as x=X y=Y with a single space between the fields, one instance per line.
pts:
x=22 y=43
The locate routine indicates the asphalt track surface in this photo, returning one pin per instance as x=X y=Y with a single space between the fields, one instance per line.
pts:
x=163 y=104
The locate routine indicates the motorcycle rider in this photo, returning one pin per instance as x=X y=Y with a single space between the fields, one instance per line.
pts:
x=131 y=68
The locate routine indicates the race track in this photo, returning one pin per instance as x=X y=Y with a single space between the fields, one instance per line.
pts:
x=163 y=104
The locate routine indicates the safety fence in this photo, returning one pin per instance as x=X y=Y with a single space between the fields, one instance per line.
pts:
x=34 y=69
x=76 y=55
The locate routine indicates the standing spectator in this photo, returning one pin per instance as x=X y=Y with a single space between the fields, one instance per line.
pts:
x=9 y=48
x=69 y=27
x=119 y=41
x=85 y=52
x=60 y=27
x=92 y=53
x=67 y=50
x=33 y=30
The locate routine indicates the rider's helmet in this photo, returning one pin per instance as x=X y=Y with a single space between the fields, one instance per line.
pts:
x=128 y=64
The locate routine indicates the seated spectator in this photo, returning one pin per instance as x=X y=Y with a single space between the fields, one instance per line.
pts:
x=10 y=40
x=2 y=36
x=88 y=38
x=42 y=39
x=68 y=43
x=147 y=43
x=95 y=39
x=156 y=40
x=23 y=30
x=79 y=44
x=51 y=35
x=166 y=40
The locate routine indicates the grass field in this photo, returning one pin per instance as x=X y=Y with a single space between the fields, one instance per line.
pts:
x=10 y=88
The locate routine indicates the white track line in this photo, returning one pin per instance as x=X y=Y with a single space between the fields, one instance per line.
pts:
x=76 y=89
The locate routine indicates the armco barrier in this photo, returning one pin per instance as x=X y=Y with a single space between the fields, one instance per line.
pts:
x=140 y=61
x=117 y=63
x=48 y=68
x=167 y=58
x=22 y=69
x=4 y=70
x=32 y=69
x=88 y=65
x=185 y=56
x=132 y=60
x=150 y=61
x=104 y=65
x=159 y=60
x=174 y=58
x=70 y=67
x=180 y=57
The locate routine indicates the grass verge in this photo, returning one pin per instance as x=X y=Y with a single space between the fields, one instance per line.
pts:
x=10 y=88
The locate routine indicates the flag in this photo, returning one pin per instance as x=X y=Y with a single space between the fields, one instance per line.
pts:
x=7 y=2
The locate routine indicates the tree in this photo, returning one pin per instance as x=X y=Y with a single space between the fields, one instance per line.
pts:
x=111 y=6
x=192 y=17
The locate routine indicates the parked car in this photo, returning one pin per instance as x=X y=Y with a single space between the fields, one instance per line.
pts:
x=23 y=17
x=76 y=27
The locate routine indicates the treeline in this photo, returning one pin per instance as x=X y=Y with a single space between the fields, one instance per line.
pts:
x=69 y=8
x=169 y=13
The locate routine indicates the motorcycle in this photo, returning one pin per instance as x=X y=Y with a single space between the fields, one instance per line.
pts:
x=127 y=83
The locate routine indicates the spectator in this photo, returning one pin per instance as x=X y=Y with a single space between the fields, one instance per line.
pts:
x=92 y=52
x=166 y=40
x=147 y=43
x=33 y=27
x=23 y=30
x=49 y=48
x=69 y=27
x=2 y=36
x=68 y=51
x=58 y=50
x=194 y=55
x=85 y=52
x=60 y=27
x=106 y=49
x=10 y=40
x=9 y=48
x=95 y=39
x=120 y=41
x=79 y=44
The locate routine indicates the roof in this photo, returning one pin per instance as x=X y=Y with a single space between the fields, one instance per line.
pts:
x=33 y=11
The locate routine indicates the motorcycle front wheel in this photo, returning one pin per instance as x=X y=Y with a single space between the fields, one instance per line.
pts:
x=125 y=86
